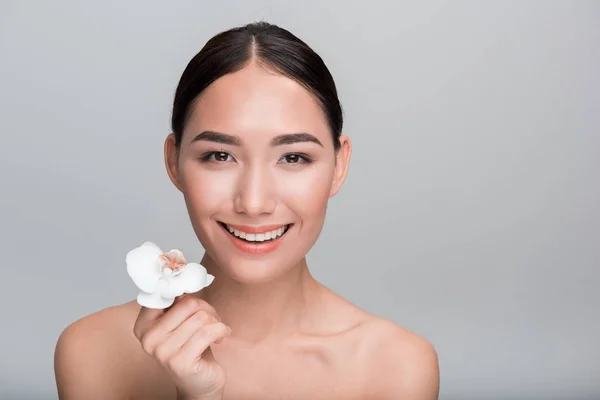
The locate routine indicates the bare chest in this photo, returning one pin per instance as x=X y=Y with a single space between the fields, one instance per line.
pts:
x=306 y=376
x=308 y=373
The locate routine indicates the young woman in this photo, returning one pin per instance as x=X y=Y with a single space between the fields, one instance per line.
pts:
x=256 y=150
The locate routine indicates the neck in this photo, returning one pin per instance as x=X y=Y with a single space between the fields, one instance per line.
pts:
x=256 y=312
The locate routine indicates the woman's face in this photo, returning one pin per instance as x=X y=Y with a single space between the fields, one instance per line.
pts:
x=257 y=166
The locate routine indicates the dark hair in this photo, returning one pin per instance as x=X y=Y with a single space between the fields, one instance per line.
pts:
x=266 y=44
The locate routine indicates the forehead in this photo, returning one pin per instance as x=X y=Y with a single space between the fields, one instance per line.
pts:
x=256 y=103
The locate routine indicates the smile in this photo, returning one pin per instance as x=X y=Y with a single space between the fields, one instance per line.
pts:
x=256 y=239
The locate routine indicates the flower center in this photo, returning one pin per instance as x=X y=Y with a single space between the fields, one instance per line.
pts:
x=171 y=264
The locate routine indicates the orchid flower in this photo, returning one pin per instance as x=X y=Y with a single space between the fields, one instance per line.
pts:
x=163 y=276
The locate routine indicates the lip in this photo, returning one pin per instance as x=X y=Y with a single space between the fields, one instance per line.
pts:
x=255 y=247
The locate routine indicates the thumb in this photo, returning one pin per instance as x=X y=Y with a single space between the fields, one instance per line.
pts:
x=152 y=314
x=148 y=317
x=177 y=300
x=145 y=319
x=147 y=314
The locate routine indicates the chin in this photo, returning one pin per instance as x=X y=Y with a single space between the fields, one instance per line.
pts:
x=253 y=271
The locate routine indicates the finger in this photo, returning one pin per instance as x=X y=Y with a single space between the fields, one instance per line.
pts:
x=148 y=316
x=172 y=319
x=145 y=319
x=174 y=341
x=182 y=310
x=177 y=300
x=192 y=351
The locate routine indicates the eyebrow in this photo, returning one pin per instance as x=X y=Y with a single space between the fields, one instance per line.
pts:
x=224 y=138
x=217 y=137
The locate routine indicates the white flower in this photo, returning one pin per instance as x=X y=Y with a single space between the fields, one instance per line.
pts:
x=163 y=276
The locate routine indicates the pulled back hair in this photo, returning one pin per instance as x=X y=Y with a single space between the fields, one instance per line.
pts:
x=268 y=45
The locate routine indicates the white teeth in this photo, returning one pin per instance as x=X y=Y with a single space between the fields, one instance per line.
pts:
x=257 y=237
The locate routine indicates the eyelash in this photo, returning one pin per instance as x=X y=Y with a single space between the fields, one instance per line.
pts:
x=208 y=157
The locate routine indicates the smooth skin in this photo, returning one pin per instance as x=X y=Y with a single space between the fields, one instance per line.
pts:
x=265 y=328
x=180 y=339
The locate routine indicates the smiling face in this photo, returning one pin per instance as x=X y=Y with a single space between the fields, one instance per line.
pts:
x=257 y=166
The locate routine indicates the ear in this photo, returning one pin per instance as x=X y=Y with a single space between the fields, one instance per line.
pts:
x=172 y=161
x=342 y=160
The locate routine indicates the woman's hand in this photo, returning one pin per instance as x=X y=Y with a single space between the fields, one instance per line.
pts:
x=179 y=338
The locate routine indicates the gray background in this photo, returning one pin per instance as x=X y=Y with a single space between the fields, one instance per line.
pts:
x=470 y=215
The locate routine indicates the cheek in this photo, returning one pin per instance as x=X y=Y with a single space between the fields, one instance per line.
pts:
x=307 y=192
x=205 y=192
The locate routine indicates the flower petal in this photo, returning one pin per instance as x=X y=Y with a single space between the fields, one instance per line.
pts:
x=143 y=266
x=192 y=278
x=209 y=279
x=176 y=255
x=153 y=300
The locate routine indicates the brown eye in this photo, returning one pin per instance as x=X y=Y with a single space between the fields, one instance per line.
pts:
x=295 y=158
x=217 y=156
x=292 y=158
x=221 y=157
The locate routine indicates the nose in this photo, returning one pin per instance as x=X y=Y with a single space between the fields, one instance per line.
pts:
x=254 y=196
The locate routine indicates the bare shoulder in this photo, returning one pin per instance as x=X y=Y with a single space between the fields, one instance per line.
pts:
x=84 y=357
x=97 y=357
x=395 y=362
x=402 y=363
